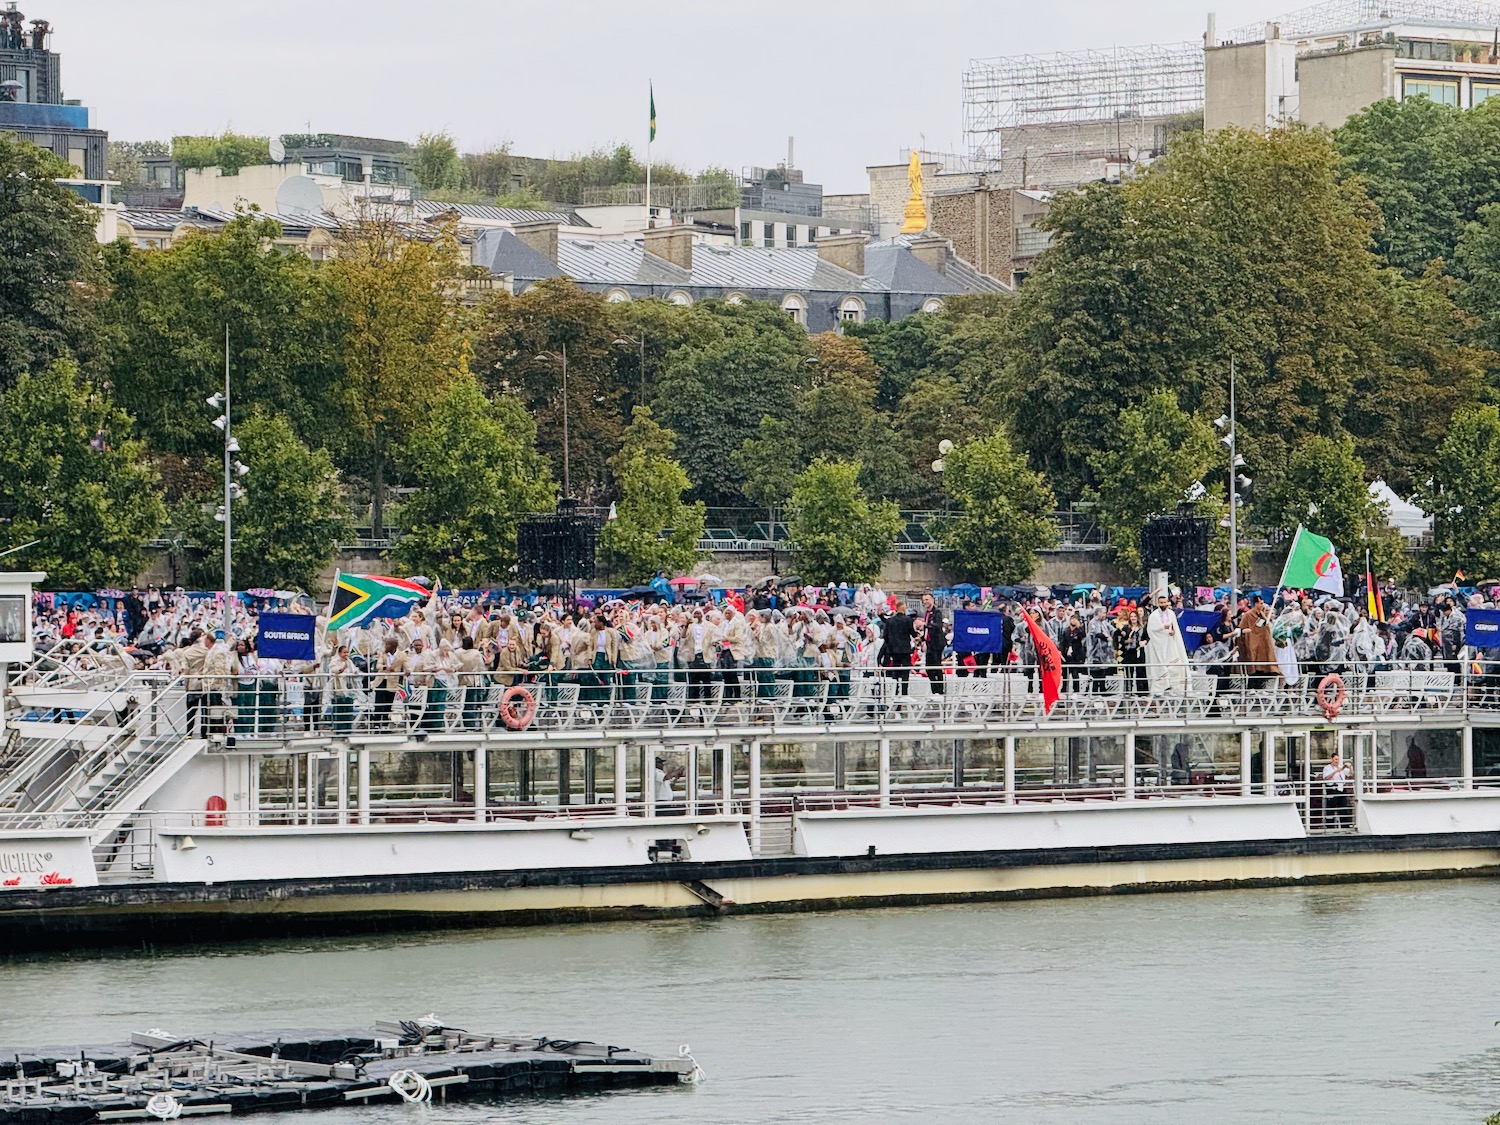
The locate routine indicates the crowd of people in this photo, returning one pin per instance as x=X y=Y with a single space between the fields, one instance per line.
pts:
x=443 y=661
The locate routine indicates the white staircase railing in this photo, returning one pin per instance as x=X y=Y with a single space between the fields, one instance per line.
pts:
x=95 y=773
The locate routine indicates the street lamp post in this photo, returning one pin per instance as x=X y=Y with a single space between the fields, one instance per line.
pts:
x=562 y=354
x=232 y=490
x=1226 y=422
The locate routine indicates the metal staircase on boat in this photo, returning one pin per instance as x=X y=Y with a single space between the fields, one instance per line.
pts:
x=94 y=771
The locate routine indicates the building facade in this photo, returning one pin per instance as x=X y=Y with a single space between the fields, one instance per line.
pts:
x=1322 y=65
x=31 y=105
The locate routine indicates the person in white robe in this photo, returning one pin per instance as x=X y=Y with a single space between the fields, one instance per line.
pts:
x=1166 y=655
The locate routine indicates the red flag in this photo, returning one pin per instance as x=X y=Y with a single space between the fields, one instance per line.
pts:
x=1048 y=662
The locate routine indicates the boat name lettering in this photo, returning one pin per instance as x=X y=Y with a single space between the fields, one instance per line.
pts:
x=24 y=863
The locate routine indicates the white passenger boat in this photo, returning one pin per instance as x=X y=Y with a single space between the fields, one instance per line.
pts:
x=120 y=819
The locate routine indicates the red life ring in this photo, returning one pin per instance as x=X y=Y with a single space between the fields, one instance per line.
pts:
x=517 y=707
x=216 y=806
x=1331 y=695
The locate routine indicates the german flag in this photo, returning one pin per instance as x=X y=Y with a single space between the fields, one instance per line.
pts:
x=1373 y=601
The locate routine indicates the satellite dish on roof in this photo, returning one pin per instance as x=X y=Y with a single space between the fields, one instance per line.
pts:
x=299 y=195
x=278 y=150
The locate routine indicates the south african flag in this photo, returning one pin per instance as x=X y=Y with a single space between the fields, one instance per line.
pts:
x=360 y=598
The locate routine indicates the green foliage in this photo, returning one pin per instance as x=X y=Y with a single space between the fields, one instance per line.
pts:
x=755 y=367
x=838 y=534
x=75 y=480
x=524 y=199
x=723 y=187
x=937 y=408
x=168 y=310
x=1237 y=243
x=566 y=180
x=49 y=267
x=836 y=408
x=1151 y=458
x=228 y=152
x=477 y=473
x=654 y=529
x=1326 y=490
x=1464 y=497
x=518 y=347
x=287 y=525
x=490 y=172
x=1001 y=513
x=127 y=163
x=436 y=164
x=770 y=460
x=399 y=347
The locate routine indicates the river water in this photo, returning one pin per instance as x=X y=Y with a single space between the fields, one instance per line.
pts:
x=1346 y=1004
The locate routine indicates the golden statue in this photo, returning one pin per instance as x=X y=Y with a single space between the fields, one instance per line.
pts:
x=915 y=219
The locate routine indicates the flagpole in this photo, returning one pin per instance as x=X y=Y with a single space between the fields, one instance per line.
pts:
x=1234 y=538
x=650 y=136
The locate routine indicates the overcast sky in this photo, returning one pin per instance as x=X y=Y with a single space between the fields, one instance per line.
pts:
x=854 y=82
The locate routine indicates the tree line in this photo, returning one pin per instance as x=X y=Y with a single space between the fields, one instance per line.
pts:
x=1351 y=277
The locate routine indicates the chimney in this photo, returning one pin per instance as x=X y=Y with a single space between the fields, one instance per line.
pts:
x=672 y=244
x=847 y=251
x=1211 y=36
x=541 y=236
x=931 y=250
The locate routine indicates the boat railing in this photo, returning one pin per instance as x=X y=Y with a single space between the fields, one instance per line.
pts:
x=322 y=705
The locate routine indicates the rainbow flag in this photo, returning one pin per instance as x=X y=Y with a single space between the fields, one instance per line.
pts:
x=360 y=598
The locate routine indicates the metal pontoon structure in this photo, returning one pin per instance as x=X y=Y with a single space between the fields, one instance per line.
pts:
x=1069 y=111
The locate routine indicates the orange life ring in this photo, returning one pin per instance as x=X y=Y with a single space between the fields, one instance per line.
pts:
x=1332 y=694
x=517 y=707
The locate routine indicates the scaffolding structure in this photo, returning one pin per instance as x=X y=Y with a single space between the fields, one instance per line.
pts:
x=1049 y=119
x=1335 y=16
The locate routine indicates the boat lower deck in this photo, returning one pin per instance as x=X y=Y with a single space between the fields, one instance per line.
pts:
x=174 y=913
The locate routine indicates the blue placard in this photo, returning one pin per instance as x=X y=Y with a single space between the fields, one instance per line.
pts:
x=976 y=630
x=1195 y=626
x=1482 y=629
x=287 y=636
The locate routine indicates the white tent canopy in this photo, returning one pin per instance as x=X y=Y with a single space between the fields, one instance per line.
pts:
x=1401 y=514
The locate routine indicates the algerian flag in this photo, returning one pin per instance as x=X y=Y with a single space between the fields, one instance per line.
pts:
x=652 y=88
x=1312 y=564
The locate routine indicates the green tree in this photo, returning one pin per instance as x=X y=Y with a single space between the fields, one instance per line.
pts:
x=937 y=408
x=1156 y=453
x=839 y=535
x=1464 y=495
x=1002 y=511
x=654 y=528
x=168 y=310
x=228 y=152
x=127 y=160
x=837 y=406
x=755 y=367
x=287 y=525
x=76 y=480
x=770 y=461
x=477 y=473
x=723 y=187
x=1326 y=490
x=1237 y=243
x=436 y=164
x=518 y=346
x=400 y=345
x=50 y=273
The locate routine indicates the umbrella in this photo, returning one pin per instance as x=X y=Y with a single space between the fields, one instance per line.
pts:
x=684 y=580
x=766 y=581
x=846 y=611
x=790 y=580
x=711 y=579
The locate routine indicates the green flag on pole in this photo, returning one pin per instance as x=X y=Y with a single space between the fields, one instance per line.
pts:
x=652 y=88
x=1312 y=564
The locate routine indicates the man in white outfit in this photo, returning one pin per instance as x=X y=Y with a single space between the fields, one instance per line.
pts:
x=1166 y=655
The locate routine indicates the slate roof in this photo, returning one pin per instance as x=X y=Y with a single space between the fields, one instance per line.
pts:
x=427 y=208
x=890 y=266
